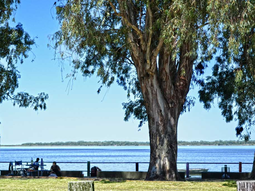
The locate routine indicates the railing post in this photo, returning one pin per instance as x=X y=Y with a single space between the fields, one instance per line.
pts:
x=137 y=167
x=240 y=166
x=88 y=169
x=225 y=169
x=187 y=170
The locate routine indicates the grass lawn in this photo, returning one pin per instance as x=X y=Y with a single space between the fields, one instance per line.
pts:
x=50 y=184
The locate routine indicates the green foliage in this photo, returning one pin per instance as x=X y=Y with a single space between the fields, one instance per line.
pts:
x=15 y=44
x=96 y=38
x=7 y=7
x=232 y=80
x=25 y=100
x=97 y=35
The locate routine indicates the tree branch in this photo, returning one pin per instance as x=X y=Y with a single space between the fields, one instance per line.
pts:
x=148 y=64
x=138 y=32
x=184 y=72
x=155 y=54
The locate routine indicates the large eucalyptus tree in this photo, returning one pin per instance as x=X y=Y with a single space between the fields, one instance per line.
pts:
x=15 y=44
x=154 y=49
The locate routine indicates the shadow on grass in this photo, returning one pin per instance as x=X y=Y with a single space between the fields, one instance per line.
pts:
x=230 y=183
x=113 y=181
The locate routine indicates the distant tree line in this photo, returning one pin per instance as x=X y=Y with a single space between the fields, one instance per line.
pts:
x=215 y=143
x=127 y=143
x=89 y=143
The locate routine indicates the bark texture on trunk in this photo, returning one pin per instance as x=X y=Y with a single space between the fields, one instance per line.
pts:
x=163 y=139
x=163 y=120
x=164 y=92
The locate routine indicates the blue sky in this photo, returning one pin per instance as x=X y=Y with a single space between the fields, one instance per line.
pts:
x=77 y=112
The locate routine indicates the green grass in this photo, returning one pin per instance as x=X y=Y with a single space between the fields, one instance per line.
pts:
x=58 y=184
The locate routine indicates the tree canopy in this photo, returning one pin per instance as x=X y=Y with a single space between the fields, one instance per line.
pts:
x=233 y=77
x=156 y=49
x=15 y=45
x=94 y=32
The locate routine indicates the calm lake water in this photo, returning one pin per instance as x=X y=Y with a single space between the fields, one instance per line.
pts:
x=96 y=155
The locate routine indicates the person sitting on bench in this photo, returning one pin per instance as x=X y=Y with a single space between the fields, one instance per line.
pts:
x=36 y=164
x=55 y=170
x=33 y=169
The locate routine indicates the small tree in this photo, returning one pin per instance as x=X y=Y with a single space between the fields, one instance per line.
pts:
x=154 y=49
x=15 y=44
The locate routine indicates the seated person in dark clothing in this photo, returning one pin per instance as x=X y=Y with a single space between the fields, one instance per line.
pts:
x=31 y=171
x=36 y=164
x=55 y=169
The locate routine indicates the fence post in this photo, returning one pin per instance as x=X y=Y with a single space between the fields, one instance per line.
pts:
x=137 y=167
x=187 y=170
x=225 y=169
x=240 y=166
x=88 y=168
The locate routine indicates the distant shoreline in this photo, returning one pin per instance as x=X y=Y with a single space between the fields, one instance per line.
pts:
x=127 y=143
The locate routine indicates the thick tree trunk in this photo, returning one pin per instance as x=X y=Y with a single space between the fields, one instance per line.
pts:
x=163 y=147
x=162 y=118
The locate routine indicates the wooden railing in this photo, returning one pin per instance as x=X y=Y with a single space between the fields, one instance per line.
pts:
x=137 y=164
